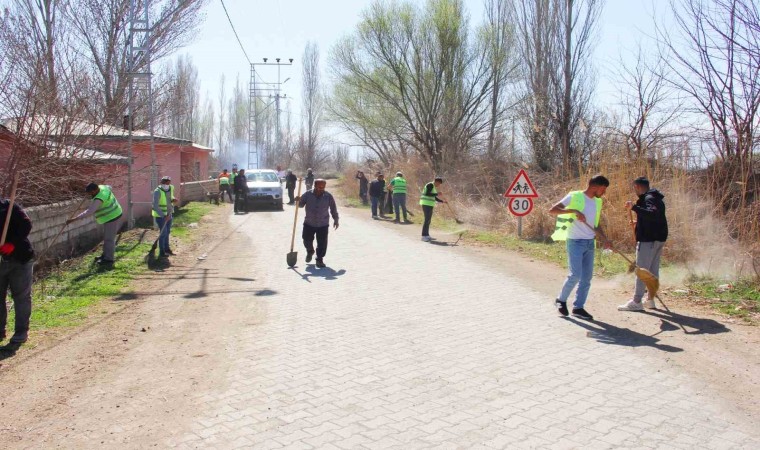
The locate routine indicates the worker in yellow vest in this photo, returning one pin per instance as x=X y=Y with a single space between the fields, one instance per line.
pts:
x=428 y=198
x=578 y=216
x=398 y=187
x=107 y=212
x=163 y=212
x=225 y=185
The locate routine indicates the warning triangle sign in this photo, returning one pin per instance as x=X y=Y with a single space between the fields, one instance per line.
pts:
x=521 y=187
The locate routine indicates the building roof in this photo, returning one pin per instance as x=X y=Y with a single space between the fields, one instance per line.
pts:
x=50 y=125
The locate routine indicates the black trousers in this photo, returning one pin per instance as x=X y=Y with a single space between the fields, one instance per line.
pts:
x=428 y=211
x=291 y=196
x=308 y=239
x=225 y=188
x=241 y=202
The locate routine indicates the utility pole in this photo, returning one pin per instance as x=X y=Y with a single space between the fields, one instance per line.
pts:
x=140 y=37
x=256 y=92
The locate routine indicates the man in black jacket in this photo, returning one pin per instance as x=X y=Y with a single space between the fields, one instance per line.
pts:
x=241 y=192
x=16 y=271
x=651 y=234
x=377 y=195
x=290 y=185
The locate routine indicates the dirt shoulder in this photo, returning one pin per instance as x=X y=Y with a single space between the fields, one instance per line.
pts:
x=722 y=352
x=76 y=376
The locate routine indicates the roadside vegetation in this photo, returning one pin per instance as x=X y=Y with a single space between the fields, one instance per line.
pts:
x=66 y=294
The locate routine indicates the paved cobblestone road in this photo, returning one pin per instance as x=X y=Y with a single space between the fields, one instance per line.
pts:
x=398 y=344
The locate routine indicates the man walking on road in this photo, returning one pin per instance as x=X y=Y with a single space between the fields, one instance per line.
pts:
x=651 y=234
x=428 y=199
x=398 y=187
x=578 y=216
x=224 y=185
x=290 y=185
x=320 y=205
x=163 y=212
x=16 y=265
x=377 y=195
x=309 y=179
x=107 y=212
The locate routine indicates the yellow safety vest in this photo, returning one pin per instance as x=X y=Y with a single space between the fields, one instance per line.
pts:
x=162 y=199
x=564 y=221
x=399 y=185
x=109 y=208
x=428 y=200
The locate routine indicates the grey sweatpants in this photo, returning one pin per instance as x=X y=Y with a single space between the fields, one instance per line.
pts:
x=648 y=256
x=109 y=238
x=17 y=277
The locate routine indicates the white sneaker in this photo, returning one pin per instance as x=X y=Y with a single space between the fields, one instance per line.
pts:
x=426 y=238
x=649 y=304
x=632 y=305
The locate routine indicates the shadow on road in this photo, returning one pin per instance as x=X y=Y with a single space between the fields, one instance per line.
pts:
x=327 y=273
x=609 y=334
x=9 y=350
x=699 y=325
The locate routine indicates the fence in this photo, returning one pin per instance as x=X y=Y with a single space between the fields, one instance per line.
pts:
x=47 y=221
x=195 y=191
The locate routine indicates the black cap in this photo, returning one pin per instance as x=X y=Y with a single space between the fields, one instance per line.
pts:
x=91 y=187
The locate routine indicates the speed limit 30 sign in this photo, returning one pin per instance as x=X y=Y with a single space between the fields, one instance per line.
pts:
x=520 y=195
x=520 y=206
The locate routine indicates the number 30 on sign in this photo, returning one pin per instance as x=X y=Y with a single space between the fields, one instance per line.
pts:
x=520 y=206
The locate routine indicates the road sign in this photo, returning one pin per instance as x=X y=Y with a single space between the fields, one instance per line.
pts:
x=520 y=206
x=521 y=187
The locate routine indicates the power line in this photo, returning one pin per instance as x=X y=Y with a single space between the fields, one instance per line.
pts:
x=233 y=30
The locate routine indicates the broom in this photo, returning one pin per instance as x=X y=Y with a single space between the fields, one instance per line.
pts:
x=651 y=282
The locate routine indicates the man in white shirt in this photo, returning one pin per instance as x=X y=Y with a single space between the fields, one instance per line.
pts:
x=578 y=216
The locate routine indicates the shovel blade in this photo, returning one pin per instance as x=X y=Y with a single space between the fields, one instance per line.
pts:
x=292 y=259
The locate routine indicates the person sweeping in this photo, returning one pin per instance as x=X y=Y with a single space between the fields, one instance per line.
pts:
x=107 y=212
x=16 y=268
x=651 y=229
x=428 y=199
x=578 y=216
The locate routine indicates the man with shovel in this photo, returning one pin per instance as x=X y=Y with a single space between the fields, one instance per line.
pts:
x=16 y=264
x=651 y=234
x=578 y=216
x=319 y=205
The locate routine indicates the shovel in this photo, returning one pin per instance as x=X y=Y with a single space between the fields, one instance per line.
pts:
x=292 y=257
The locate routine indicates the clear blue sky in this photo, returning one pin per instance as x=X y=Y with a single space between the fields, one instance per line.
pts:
x=281 y=28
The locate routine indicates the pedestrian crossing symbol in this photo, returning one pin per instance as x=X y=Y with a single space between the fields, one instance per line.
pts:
x=521 y=187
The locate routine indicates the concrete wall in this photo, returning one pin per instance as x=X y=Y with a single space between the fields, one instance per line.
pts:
x=47 y=221
x=195 y=191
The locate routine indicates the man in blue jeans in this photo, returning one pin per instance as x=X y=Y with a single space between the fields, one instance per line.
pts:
x=578 y=216
x=163 y=212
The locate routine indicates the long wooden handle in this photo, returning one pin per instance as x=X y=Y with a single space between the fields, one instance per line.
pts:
x=7 y=222
x=295 y=218
x=633 y=224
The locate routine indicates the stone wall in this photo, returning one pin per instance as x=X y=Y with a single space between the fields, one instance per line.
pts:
x=195 y=191
x=47 y=221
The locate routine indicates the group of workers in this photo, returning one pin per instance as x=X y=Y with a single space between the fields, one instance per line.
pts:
x=393 y=194
x=578 y=223
x=17 y=253
x=234 y=182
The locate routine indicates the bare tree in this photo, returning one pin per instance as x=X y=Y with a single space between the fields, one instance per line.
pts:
x=312 y=108
x=716 y=64
x=557 y=40
x=648 y=104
